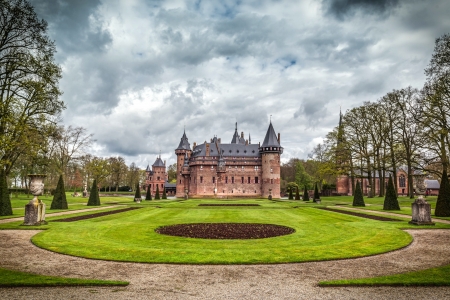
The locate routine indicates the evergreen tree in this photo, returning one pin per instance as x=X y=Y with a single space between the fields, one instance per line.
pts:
x=297 y=195
x=443 y=200
x=164 y=195
x=148 y=196
x=305 y=195
x=358 y=199
x=291 y=197
x=5 y=201
x=390 y=200
x=157 y=192
x=59 y=198
x=94 y=198
x=137 y=194
x=316 y=193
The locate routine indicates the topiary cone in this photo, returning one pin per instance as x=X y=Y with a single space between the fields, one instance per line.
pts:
x=390 y=200
x=358 y=199
x=443 y=199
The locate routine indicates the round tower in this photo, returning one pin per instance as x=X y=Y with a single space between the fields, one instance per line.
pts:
x=183 y=153
x=271 y=151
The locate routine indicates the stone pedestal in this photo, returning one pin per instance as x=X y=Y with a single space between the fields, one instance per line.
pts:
x=421 y=212
x=35 y=212
x=35 y=209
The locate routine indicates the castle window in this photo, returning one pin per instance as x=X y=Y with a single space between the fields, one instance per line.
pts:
x=232 y=179
x=253 y=151
x=214 y=179
x=180 y=181
x=256 y=179
x=402 y=181
x=248 y=179
x=242 y=179
x=237 y=151
x=162 y=185
x=226 y=179
x=158 y=178
x=271 y=181
x=229 y=151
x=245 y=151
x=201 y=179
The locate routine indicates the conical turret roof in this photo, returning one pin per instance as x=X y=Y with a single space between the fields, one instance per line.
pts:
x=184 y=144
x=158 y=162
x=271 y=139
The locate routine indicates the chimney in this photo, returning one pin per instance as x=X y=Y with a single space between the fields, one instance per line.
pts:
x=279 y=138
x=242 y=134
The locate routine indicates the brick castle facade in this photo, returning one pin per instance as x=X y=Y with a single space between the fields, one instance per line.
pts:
x=237 y=169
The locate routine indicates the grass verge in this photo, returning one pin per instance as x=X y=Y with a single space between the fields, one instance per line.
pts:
x=9 y=278
x=430 y=277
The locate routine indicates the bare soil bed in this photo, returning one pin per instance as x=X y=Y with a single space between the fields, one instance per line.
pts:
x=225 y=230
x=96 y=215
x=351 y=213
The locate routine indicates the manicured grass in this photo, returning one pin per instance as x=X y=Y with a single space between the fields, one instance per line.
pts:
x=131 y=236
x=430 y=277
x=9 y=278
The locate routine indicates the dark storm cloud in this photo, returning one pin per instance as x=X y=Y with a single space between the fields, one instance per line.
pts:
x=342 y=9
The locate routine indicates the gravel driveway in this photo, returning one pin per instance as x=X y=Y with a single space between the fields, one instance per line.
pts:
x=430 y=248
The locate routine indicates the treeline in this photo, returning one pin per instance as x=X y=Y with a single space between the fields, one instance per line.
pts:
x=408 y=128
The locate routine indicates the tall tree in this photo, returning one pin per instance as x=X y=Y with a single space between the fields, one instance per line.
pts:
x=29 y=93
x=5 y=202
x=305 y=194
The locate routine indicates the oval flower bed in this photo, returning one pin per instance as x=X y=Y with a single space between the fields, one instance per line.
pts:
x=225 y=230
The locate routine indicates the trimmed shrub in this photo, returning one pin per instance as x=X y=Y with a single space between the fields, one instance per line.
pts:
x=137 y=194
x=59 y=198
x=443 y=200
x=358 y=199
x=164 y=195
x=316 y=193
x=148 y=196
x=94 y=198
x=390 y=200
x=291 y=197
x=297 y=195
x=305 y=194
x=157 y=192
x=5 y=201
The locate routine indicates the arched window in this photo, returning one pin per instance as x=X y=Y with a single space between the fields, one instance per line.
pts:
x=402 y=181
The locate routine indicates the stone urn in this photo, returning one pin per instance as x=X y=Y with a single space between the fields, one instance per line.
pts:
x=35 y=209
x=421 y=209
x=270 y=194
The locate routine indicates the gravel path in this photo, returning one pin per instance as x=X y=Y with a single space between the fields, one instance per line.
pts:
x=430 y=248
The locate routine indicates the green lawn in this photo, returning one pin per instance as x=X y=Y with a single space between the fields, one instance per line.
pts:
x=131 y=236
x=9 y=278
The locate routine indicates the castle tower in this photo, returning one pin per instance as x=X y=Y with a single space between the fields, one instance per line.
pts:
x=271 y=151
x=159 y=174
x=183 y=153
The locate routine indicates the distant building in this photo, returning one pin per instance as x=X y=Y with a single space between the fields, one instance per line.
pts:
x=156 y=176
x=235 y=169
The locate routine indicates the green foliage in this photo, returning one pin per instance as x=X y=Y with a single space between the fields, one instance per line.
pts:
x=443 y=200
x=157 y=192
x=358 y=199
x=390 y=200
x=59 y=198
x=316 y=193
x=137 y=194
x=297 y=195
x=5 y=201
x=164 y=196
x=94 y=198
x=305 y=194
x=301 y=176
x=148 y=196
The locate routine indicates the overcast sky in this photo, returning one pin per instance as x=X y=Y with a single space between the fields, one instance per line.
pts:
x=136 y=72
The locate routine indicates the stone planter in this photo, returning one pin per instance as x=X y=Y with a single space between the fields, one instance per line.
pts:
x=35 y=209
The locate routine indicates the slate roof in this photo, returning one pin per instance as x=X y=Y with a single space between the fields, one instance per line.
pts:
x=228 y=150
x=170 y=185
x=271 y=139
x=158 y=163
x=432 y=184
x=184 y=144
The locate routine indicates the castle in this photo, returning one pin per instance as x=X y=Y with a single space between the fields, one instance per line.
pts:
x=237 y=169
